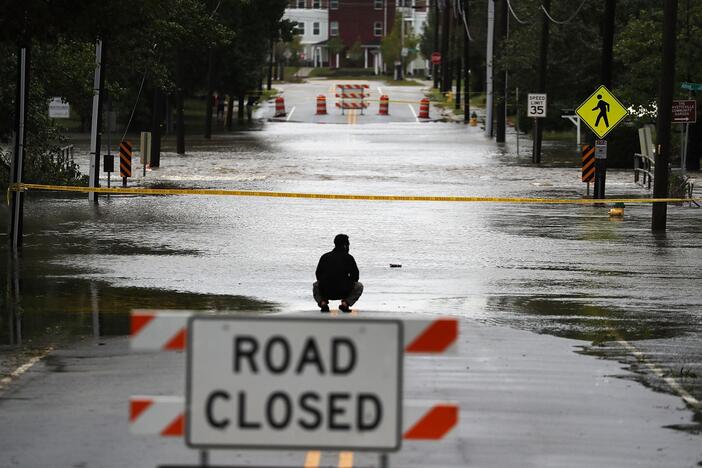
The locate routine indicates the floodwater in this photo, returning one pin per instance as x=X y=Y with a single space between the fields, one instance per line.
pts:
x=566 y=270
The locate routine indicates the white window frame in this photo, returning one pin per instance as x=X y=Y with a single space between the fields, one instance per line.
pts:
x=317 y=4
x=378 y=4
x=333 y=28
x=315 y=28
x=301 y=2
x=300 y=28
x=378 y=29
x=333 y=4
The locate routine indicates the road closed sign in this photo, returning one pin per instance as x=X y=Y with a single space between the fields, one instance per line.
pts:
x=294 y=383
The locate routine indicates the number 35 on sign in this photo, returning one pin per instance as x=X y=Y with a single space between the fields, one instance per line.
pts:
x=536 y=105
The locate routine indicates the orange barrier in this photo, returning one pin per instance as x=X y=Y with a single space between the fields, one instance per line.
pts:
x=383 y=109
x=280 y=107
x=321 y=105
x=424 y=109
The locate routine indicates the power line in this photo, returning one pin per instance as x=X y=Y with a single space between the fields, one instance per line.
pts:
x=566 y=21
x=520 y=21
x=465 y=21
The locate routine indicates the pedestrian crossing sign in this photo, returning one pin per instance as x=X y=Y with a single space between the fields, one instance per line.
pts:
x=602 y=111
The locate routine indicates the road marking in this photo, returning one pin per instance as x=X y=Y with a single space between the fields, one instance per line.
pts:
x=291 y=113
x=413 y=112
x=380 y=90
x=312 y=459
x=345 y=459
x=672 y=383
x=5 y=381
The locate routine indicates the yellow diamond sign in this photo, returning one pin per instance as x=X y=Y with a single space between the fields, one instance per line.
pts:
x=602 y=111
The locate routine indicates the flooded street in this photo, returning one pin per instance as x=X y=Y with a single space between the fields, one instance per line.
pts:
x=565 y=270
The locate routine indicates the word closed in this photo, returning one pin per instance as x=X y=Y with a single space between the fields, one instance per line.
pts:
x=294 y=383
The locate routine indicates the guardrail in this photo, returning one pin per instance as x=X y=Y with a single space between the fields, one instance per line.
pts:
x=643 y=170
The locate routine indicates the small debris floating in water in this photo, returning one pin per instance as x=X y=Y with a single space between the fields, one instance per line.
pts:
x=395 y=265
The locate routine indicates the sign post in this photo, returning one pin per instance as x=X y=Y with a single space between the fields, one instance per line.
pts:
x=294 y=383
x=602 y=112
x=536 y=108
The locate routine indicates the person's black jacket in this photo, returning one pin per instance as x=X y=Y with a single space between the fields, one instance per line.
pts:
x=336 y=273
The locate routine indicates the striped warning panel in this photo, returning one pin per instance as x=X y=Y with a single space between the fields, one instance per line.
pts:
x=157 y=415
x=352 y=105
x=352 y=86
x=125 y=159
x=165 y=330
x=588 y=174
x=352 y=95
x=165 y=416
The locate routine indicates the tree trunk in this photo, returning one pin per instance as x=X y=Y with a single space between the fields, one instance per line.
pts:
x=180 y=120
x=230 y=112
x=210 y=95
x=445 y=32
x=240 y=110
x=501 y=75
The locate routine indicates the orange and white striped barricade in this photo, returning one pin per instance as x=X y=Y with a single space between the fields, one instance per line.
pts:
x=165 y=416
x=383 y=108
x=352 y=97
x=165 y=330
x=280 y=107
x=424 y=109
x=321 y=105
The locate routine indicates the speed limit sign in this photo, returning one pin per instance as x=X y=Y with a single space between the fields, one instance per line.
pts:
x=536 y=106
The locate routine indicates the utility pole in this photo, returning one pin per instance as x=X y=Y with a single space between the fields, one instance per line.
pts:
x=466 y=65
x=210 y=94
x=434 y=66
x=501 y=79
x=445 y=34
x=543 y=62
x=608 y=42
x=488 y=62
x=16 y=168
x=458 y=65
x=96 y=127
x=665 y=110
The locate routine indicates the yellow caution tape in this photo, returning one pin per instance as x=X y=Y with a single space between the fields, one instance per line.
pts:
x=333 y=196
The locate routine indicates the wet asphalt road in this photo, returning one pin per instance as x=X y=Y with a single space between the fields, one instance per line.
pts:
x=608 y=286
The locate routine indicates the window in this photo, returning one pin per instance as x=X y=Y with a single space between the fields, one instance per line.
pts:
x=333 y=4
x=333 y=28
x=301 y=3
x=378 y=28
x=378 y=4
x=317 y=4
x=315 y=29
x=300 y=29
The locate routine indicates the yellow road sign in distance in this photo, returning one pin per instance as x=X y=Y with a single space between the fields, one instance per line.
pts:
x=602 y=111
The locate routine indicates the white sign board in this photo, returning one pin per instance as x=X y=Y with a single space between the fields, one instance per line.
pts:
x=294 y=383
x=58 y=109
x=536 y=106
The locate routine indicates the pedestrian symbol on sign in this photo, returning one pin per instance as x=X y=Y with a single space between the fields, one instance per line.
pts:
x=603 y=106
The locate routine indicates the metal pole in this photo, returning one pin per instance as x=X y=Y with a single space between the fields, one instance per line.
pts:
x=488 y=61
x=445 y=35
x=665 y=103
x=384 y=461
x=517 y=118
x=204 y=458
x=501 y=79
x=466 y=66
x=435 y=67
x=16 y=168
x=94 y=178
x=543 y=63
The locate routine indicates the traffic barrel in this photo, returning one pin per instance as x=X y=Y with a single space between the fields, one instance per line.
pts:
x=321 y=105
x=424 y=109
x=280 y=107
x=384 y=105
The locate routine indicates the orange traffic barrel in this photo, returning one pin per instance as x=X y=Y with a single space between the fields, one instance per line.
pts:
x=424 y=109
x=321 y=105
x=384 y=105
x=280 y=107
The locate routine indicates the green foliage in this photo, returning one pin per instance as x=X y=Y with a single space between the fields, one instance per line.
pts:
x=355 y=53
x=391 y=45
